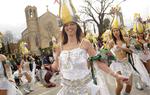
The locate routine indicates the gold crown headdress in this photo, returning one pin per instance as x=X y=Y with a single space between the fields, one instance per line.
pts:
x=67 y=12
x=138 y=25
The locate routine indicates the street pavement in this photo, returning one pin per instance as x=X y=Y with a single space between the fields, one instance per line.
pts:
x=39 y=89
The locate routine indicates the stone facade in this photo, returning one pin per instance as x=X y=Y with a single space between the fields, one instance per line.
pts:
x=40 y=30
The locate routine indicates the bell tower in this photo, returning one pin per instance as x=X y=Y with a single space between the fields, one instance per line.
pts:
x=32 y=28
x=31 y=18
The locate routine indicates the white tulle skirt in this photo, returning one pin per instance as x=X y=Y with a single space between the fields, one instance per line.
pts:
x=141 y=69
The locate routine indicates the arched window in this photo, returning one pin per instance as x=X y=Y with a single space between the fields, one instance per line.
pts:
x=31 y=13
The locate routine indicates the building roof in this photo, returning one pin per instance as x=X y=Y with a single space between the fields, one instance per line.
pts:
x=45 y=15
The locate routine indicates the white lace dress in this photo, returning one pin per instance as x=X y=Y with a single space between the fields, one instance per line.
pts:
x=76 y=77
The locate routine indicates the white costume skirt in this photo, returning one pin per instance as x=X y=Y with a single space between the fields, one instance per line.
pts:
x=102 y=80
x=144 y=57
x=123 y=66
x=9 y=86
x=83 y=86
x=141 y=69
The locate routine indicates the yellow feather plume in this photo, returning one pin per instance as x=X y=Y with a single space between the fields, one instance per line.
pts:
x=66 y=16
x=67 y=12
x=115 y=23
x=138 y=26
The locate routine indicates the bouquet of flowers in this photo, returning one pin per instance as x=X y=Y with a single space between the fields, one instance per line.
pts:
x=103 y=55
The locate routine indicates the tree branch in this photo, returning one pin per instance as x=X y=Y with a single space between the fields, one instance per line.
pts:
x=88 y=12
x=90 y=5
x=108 y=5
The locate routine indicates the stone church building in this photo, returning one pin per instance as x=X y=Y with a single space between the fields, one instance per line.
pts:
x=40 y=30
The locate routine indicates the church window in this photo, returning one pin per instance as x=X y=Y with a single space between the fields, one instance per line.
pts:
x=31 y=13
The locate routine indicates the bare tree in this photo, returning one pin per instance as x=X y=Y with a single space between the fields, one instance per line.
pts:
x=8 y=37
x=96 y=10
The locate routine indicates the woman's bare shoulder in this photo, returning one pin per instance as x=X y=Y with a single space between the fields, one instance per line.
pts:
x=127 y=40
x=86 y=43
x=2 y=57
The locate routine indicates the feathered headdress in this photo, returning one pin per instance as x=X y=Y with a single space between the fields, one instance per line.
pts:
x=116 y=23
x=67 y=12
x=138 y=26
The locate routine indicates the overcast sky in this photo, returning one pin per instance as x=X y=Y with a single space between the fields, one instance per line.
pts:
x=12 y=16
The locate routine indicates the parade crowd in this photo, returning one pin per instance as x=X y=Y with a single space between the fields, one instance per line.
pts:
x=79 y=60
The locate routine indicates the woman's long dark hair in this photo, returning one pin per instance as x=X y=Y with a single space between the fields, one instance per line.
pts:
x=120 y=35
x=65 y=36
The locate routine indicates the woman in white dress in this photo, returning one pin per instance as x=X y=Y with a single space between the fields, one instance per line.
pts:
x=141 y=42
x=119 y=47
x=144 y=79
x=71 y=60
x=7 y=83
x=144 y=52
x=72 y=55
x=141 y=54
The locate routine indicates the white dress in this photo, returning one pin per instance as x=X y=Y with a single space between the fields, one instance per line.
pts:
x=121 y=65
x=141 y=69
x=144 y=57
x=76 y=77
x=137 y=57
x=6 y=85
x=103 y=79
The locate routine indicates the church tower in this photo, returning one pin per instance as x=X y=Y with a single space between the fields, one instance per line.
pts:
x=32 y=28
